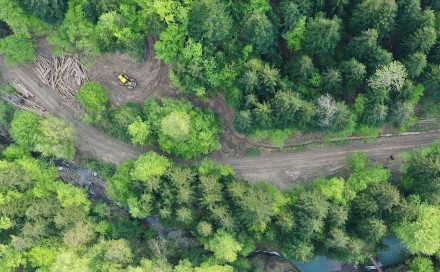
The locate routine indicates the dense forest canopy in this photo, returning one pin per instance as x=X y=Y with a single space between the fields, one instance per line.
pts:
x=48 y=225
x=314 y=65
x=336 y=66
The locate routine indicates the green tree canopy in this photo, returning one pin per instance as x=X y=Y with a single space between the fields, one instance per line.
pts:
x=321 y=35
x=208 y=20
x=421 y=235
x=258 y=31
x=17 y=49
x=139 y=131
x=94 y=99
x=50 y=137
x=149 y=165
x=376 y=14
x=224 y=246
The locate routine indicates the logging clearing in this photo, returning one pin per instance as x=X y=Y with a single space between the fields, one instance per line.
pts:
x=64 y=75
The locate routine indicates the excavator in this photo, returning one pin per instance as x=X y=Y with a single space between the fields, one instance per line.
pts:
x=127 y=81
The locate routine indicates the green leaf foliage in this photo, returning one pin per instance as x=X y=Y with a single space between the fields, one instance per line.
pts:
x=94 y=98
x=49 y=136
x=149 y=165
x=17 y=49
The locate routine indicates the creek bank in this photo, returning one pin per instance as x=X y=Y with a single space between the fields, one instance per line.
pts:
x=393 y=254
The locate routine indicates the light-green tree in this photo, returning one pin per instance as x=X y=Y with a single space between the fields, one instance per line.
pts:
x=421 y=235
x=17 y=49
x=25 y=128
x=51 y=136
x=149 y=165
x=94 y=98
x=58 y=138
x=224 y=246
x=176 y=125
x=295 y=36
x=139 y=132
x=422 y=264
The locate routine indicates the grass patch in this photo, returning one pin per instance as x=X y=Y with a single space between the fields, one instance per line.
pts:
x=341 y=143
x=39 y=27
x=7 y=89
x=300 y=148
x=430 y=108
x=367 y=131
x=277 y=137
x=253 y=151
x=105 y=170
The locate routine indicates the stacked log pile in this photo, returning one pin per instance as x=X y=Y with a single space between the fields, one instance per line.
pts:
x=22 y=99
x=64 y=75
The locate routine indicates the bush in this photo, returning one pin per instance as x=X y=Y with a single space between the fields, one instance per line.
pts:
x=182 y=129
x=277 y=136
x=17 y=49
x=105 y=170
x=421 y=264
x=94 y=98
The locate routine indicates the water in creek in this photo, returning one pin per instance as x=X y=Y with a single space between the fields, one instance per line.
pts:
x=394 y=254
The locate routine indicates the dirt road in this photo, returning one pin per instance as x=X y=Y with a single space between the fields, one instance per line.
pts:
x=283 y=169
x=279 y=169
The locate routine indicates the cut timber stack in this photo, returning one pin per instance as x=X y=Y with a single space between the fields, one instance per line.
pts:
x=64 y=75
x=22 y=98
x=20 y=88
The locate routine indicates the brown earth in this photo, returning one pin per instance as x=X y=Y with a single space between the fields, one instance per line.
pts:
x=152 y=75
x=298 y=167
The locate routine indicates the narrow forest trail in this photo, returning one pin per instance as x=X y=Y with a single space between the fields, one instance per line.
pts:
x=279 y=169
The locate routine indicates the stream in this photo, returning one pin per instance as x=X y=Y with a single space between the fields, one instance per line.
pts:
x=394 y=254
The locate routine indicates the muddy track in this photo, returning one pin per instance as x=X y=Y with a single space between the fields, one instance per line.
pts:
x=279 y=169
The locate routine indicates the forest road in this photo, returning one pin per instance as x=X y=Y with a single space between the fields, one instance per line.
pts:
x=279 y=169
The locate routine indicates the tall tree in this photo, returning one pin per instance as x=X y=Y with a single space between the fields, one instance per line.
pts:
x=58 y=139
x=415 y=64
x=376 y=14
x=421 y=41
x=208 y=20
x=149 y=165
x=421 y=235
x=390 y=77
x=51 y=11
x=224 y=246
x=321 y=35
x=258 y=31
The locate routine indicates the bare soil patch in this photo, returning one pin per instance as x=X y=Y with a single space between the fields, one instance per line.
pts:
x=151 y=75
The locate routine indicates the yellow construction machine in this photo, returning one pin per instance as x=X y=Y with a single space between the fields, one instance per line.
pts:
x=127 y=81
